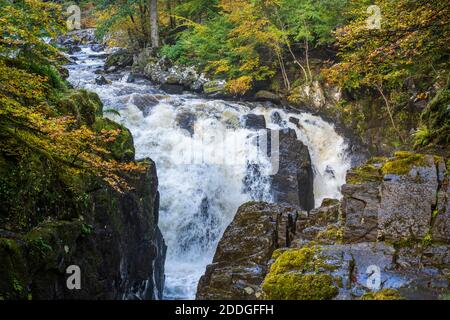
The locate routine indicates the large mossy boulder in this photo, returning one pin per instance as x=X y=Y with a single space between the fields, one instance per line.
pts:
x=122 y=148
x=119 y=60
x=297 y=274
x=81 y=104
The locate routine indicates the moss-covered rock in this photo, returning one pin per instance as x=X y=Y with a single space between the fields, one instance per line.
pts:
x=300 y=274
x=403 y=162
x=122 y=148
x=307 y=259
x=385 y=294
x=81 y=104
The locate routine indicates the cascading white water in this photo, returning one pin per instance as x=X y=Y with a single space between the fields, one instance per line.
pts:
x=202 y=169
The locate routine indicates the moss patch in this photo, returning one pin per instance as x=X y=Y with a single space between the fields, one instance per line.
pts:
x=385 y=294
x=331 y=233
x=307 y=259
x=403 y=163
x=366 y=173
x=299 y=274
x=293 y=286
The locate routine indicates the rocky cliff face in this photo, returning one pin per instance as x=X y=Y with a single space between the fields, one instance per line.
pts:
x=387 y=239
x=293 y=183
x=240 y=262
x=112 y=237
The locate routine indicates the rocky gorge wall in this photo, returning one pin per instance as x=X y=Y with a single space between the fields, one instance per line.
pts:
x=54 y=221
x=388 y=238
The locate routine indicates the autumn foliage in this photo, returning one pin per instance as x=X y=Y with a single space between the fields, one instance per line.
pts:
x=30 y=120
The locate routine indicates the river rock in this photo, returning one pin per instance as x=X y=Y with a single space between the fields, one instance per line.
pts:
x=77 y=37
x=276 y=118
x=407 y=202
x=97 y=47
x=172 y=88
x=145 y=102
x=216 y=89
x=361 y=205
x=186 y=121
x=264 y=95
x=73 y=49
x=393 y=199
x=441 y=227
x=118 y=60
x=293 y=183
x=162 y=71
x=112 y=236
x=101 y=81
x=240 y=262
x=254 y=121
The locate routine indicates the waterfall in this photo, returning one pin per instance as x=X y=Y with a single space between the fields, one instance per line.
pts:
x=203 y=153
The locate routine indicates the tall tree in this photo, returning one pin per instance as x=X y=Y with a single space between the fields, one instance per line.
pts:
x=154 y=23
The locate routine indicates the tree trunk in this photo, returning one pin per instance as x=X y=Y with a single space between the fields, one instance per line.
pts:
x=154 y=23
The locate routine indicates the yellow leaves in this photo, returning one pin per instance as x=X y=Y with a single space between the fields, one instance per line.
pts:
x=24 y=25
x=240 y=85
x=220 y=66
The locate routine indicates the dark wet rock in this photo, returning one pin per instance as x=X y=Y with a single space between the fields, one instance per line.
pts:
x=254 y=121
x=240 y=262
x=267 y=96
x=293 y=183
x=172 y=88
x=73 y=49
x=116 y=244
x=119 y=60
x=101 y=81
x=361 y=206
x=321 y=224
x=131 y=78
x=145 y=102
x=276 y=118
x=99 y=56
x=77 y=38
x=186 y=121
x=97 y=47
x=64 y=72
